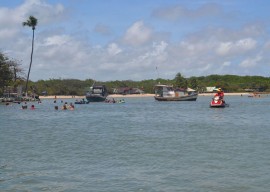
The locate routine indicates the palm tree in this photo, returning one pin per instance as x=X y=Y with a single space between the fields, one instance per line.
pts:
x=180 y=81
x=31 y=22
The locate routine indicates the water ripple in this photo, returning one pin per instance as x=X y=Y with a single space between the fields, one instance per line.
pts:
x=142 y=145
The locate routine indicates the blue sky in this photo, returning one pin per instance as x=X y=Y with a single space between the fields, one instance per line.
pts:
x=128 y=39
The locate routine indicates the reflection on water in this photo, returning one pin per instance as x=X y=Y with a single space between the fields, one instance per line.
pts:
x=141 y=145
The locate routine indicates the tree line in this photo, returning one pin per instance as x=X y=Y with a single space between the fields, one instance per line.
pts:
x=13 y=76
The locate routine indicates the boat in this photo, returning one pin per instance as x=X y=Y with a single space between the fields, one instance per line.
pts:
x=81 y=102
x=121 y=101
x=8 y=98
x=254 y=95
x=97 y=93
x=114 y=101
x=168 y=93
x=218 y=103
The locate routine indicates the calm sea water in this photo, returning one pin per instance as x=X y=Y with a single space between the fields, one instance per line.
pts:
x=141 y=145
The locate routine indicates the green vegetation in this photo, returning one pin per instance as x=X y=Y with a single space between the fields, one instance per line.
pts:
x=229 y=83
x=11 y=76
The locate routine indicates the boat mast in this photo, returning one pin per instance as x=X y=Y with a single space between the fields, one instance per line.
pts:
x=157 y=72
x=91 y=88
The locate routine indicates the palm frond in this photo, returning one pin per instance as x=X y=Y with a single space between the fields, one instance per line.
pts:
x=31 y=22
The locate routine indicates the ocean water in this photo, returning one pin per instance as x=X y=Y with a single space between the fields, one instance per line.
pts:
x=141 y=145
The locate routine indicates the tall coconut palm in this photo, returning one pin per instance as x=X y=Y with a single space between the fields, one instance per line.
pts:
x=31 y=22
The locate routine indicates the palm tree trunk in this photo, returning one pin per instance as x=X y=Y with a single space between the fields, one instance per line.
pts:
x=26 y=87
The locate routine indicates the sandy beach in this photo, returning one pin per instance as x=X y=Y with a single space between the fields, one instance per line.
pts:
x=130 y=96
x=81 y=97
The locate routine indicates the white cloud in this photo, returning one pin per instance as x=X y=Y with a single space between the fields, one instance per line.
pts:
x=138 y=34
x=178 y=12
x=161 y=47
x=113 y=49
x=11 y=19
x=227 y=64
x=224 y=48
x=246 y=44
x=135 y=54
x=7 y=33
x=44 y=12
x=57 y=40
x=251 y=62
x=240 y=46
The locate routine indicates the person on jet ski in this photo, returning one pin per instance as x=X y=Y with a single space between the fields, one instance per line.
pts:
x=220 y=94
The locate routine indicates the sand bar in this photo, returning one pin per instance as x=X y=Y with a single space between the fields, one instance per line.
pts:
x=83 y=97
x=130 y=96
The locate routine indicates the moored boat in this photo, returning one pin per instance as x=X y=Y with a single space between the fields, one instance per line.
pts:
x=10 y=98
x=81 y=102
x=168 y=93
x=97 y=93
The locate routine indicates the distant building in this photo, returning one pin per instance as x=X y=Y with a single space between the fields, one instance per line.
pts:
x=44 y=93
x=128 y=91
x=210 y=89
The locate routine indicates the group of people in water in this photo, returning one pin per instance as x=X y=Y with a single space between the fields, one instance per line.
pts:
x=65 y=106
x=69 y=106
x=32 y=107
x=24 y=106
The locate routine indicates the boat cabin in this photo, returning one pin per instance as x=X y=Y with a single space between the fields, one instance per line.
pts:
x=98 y=90
x=168 y=93
x=164 y=91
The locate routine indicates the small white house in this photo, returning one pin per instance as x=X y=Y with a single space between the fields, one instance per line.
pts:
x=210 y=89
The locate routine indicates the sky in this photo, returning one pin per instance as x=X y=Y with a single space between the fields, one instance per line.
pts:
x=108 y=40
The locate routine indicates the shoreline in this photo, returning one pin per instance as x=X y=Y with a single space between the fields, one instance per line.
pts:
x=132 y=96
x=83 y=97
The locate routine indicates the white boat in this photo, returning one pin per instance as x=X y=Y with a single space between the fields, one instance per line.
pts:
x=168 y=93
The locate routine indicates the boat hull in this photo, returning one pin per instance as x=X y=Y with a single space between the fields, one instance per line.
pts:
x=95 y=98
x=182 y=98
x=81 y=102
x=218 y=104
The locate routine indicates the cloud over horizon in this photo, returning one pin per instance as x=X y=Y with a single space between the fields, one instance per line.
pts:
x=195 y=40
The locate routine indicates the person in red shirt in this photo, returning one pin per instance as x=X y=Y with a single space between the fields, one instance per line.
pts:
x=220 y=94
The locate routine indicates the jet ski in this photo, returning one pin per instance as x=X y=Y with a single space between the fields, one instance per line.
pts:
x=217 y=102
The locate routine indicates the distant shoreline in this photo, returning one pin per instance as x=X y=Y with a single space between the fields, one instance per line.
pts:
x=131 y=96
x=82 y=97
